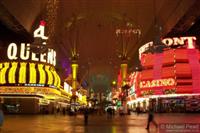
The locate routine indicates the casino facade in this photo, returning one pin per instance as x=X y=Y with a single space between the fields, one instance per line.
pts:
x=169 y=78
x=29 y=82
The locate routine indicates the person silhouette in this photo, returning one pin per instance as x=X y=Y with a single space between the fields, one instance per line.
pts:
x=1 y=114
x=86 y=114
x=151 y=118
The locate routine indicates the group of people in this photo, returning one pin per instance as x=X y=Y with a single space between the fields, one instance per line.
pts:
x=110 y=113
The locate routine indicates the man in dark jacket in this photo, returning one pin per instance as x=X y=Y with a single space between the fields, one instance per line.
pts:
x=151 y=117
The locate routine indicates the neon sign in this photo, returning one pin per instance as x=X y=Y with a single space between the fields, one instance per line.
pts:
x=15 y=52
x=157 y=83
x=180 y=41
x=175 y=41
x=39 y=32
x=29 y=90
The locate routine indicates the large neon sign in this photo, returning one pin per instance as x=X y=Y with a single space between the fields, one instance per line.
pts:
x=15 y=52
x=157 y=83
x=180 y=41
x=175 y=41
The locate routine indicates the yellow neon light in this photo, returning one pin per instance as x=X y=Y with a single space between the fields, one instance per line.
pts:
x=124 y=73
x=3 y=73
x=157 y=83
x=32 y=72
x=84 y=99
x=74 y=71
x=1 y=66
x=55 y=77
x=42 y=74
x=22 y=72
x=114 y=82
x=124 y=70
x=50 y=97
x=29 y=90
x=58 y=80
x=50 y=76
x=11 y=74
x=74 y=75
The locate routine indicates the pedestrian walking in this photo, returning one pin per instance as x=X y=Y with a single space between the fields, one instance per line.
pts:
x=1 y=114
x=86 y=114
x=109 y=113
x=1 y=118
x=151 y=118
x=138 y=110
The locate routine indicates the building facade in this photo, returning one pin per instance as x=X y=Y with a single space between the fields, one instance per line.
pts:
x=169 y=79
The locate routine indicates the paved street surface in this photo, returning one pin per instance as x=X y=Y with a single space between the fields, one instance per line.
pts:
x=97 y=124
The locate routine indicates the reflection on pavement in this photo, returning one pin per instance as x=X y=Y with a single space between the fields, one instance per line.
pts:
x=96 y=124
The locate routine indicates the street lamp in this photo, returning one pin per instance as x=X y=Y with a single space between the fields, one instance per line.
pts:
x=126 y=36
x=73 y=39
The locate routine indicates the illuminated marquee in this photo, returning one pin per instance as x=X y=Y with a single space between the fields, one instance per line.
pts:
x=29 y=90
x=15 y=52
x=157 y=83
x=171 y=42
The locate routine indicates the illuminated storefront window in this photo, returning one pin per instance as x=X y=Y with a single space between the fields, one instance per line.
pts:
x=11 y=75
x=32 y=72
